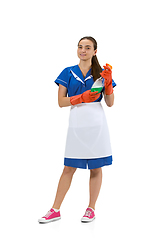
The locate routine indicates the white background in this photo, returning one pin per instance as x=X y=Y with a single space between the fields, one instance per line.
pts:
x=38 y=40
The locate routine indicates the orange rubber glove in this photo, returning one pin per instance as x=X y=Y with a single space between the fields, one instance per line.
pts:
x=107 y=75
x=85 y=97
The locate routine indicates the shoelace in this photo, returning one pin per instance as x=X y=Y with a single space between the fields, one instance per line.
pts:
x=48 y=214
x=88 y=213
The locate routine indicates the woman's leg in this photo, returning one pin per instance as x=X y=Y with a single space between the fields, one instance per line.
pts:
x=63 y=186
x=94 y=185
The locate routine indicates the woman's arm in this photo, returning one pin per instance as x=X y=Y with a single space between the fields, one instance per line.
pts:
x=109 y=99
x=63 y=100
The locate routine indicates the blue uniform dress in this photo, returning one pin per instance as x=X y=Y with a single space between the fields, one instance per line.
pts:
x=88 y=141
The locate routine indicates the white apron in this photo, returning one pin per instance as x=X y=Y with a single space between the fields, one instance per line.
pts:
x=88 y=135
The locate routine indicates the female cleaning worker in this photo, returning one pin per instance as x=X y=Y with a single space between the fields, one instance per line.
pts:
x=88 y=143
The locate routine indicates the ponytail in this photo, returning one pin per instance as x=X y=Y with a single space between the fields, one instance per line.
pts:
x=96 y=68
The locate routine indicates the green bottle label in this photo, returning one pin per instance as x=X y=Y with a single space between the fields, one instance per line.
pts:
x=99 y=89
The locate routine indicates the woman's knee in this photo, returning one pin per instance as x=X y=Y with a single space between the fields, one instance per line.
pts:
x=96 y=171
x=69 y=170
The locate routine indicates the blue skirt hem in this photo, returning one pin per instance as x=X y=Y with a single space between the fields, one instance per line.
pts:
x=90 y=163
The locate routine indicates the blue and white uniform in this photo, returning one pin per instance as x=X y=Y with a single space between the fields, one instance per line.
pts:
x=88 y=141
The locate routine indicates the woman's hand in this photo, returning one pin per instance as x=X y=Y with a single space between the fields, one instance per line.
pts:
x=85 y=97
x=107 y=75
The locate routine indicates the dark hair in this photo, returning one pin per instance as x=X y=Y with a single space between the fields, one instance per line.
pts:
x=96 y=68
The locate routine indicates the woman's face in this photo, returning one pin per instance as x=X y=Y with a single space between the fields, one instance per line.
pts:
x=86 y=50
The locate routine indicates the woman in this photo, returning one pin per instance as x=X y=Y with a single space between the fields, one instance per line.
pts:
x=88 y=143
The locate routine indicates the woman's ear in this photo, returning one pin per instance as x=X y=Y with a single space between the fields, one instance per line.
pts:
x=95 y=52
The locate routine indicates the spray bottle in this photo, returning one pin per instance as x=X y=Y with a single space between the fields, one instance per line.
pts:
x=98 y=85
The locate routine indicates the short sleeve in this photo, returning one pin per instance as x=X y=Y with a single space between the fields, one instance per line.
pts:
x=113 y=83
x=63 y=78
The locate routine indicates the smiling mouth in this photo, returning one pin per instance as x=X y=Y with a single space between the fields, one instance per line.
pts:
x=83 y=55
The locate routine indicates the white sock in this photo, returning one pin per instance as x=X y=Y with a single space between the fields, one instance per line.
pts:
x=56 y=210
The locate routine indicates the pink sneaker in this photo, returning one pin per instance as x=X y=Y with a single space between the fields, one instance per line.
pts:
x=89 y=215
x=50 y=216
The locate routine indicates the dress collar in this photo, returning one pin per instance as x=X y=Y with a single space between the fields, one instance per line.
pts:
x=77 y=73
